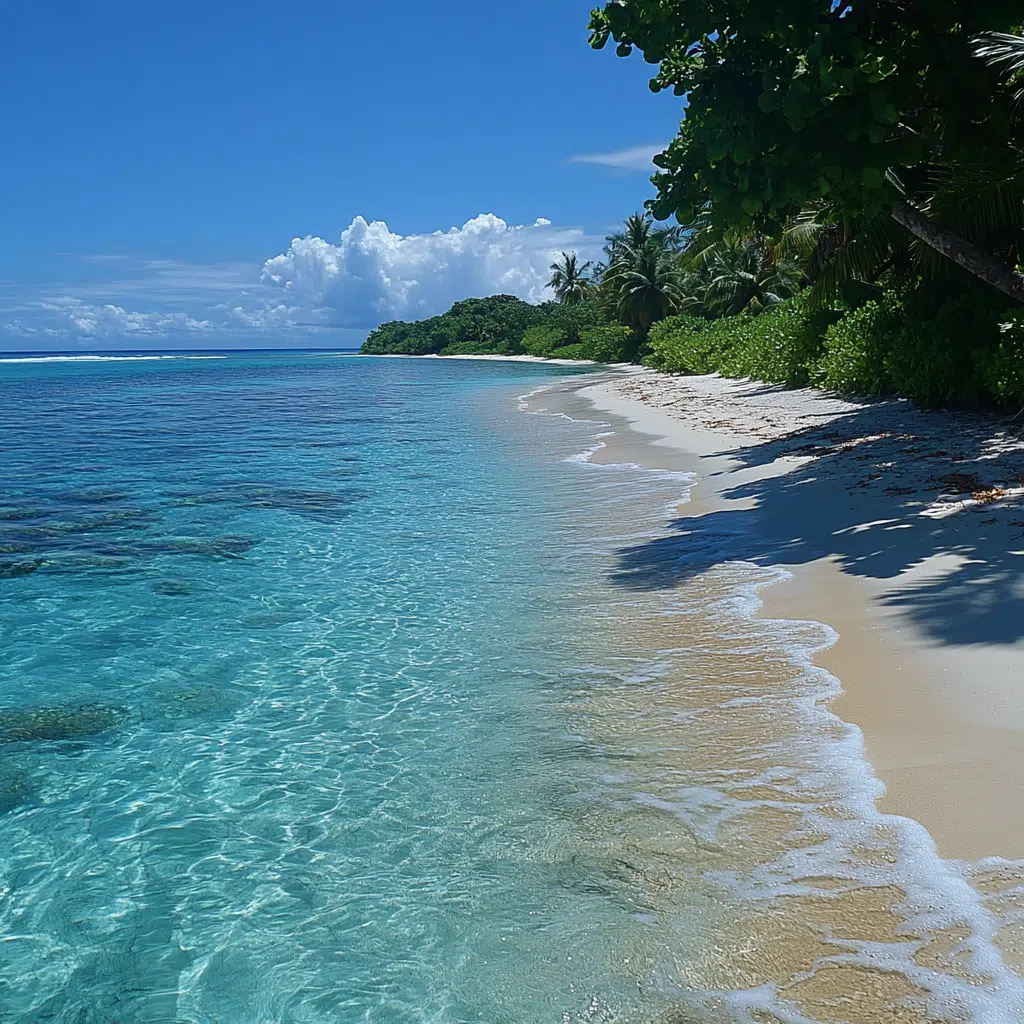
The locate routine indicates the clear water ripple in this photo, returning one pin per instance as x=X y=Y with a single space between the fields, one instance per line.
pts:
x=319 y=598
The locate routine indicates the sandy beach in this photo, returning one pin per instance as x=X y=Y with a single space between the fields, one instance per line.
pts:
x=493 y=359
x=904 y=531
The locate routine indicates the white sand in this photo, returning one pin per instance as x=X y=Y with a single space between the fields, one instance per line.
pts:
x=905 y=532
x=497 y=359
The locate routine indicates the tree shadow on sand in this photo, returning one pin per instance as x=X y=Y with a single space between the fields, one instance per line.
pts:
x=880 y=490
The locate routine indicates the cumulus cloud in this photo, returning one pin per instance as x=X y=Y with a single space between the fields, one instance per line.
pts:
x=109 y=320
x=373 y=274
x=635 y=158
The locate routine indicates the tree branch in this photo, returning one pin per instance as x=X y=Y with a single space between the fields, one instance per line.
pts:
x=960 y=251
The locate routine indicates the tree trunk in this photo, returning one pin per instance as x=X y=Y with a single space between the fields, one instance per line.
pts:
x=960 y=251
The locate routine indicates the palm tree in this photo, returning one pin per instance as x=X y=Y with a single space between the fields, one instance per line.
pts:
x=743 y=276
x=638 y=230
x=646 y=284
x=1003 y=51
x=569 y=279
x=642 y=281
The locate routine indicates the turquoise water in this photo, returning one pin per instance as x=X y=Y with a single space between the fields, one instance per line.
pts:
x=347 y=690
x=289 y=649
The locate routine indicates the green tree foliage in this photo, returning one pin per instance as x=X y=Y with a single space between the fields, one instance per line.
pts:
x=643 y=281
x=579 y=332
x=569 y=280
x=573 y=320
x=739 y=275
x=638 y=231
x=803 y=101
x=612 y=343
x=543 y=339
x=963 y=351
x=492 y=325
x=504 y=325
x=647 y=284
x=781 y=345
x=1005 y=52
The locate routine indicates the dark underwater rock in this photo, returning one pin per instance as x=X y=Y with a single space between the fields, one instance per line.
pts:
x=16 y=790
x=231 y=545
x=172 y=588
x=17 y=547
x=327 y=505
x=19 y=515
x=94 y=496
x=12 y=570
x=56 y=530
x=66 y=722
x=111 y=564
x=303 y=502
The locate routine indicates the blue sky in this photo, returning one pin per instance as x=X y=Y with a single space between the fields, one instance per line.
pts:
x=162 y=158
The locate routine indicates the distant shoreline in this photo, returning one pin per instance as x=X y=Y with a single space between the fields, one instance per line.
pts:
x=488 y=358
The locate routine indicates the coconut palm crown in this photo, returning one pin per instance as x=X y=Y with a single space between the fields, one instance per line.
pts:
x=569 y=280
x=646 y=283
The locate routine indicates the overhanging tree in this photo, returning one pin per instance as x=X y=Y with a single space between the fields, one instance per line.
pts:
x=797 y=102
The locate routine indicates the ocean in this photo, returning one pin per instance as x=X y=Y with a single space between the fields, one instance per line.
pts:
x=332 y=691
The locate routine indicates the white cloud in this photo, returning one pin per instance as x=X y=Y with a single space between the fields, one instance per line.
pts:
x=268 y=315
x=635 y=158
x=315 y=289
x=109 y=320
x=373 y=274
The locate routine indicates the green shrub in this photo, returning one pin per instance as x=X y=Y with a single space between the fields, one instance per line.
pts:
x=780 y=345
x=934 y=361
x=476 y=348
x=682 y=344
x=552 y=340
x=573 y=320
x=568 y=352
x=1002 y=366
x=935 y=349
x=610 y=344
x=541 y=340
x=855 y=348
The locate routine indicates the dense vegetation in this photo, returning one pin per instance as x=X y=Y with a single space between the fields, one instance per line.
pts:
x=847 y=190
x=960 y=351
x=505 y=325
x=876 y=145
x=493 y=325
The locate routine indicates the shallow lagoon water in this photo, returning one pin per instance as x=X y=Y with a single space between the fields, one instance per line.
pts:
x=286 y=648
x=331 y=691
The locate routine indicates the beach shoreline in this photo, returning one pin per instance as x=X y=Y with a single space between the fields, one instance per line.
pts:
x=910 y=551
x=493 y=359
